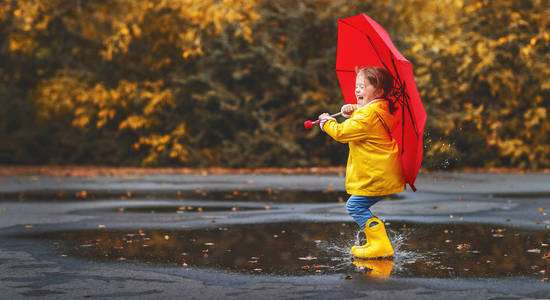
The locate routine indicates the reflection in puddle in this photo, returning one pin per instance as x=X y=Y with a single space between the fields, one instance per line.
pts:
x=275 y=196
x=422 y=250
x=268 y=195
x=183 y=209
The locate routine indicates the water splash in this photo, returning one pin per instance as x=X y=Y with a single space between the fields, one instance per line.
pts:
x=339 y=251
x=402 y=257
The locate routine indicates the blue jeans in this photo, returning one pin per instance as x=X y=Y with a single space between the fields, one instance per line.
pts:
x=358 y=208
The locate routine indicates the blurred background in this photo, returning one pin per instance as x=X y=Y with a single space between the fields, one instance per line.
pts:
x=212 y=83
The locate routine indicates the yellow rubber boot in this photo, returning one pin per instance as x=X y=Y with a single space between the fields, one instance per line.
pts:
x=378 y=243
x=355 y=248
x=380 y=268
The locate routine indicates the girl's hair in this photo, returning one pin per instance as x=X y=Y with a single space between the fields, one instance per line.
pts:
x=379 y=78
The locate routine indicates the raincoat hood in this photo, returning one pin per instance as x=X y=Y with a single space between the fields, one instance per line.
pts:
x=382 y=109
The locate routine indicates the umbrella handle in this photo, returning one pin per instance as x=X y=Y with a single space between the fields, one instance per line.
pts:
x=309 y=124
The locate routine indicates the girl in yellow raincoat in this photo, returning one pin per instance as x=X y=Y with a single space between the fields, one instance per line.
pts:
x=374 y=163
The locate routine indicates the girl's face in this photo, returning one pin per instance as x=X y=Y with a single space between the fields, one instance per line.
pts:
x=364 y=91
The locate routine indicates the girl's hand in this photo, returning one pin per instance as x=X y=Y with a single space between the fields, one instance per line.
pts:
x=323 y=116
x=348 y=109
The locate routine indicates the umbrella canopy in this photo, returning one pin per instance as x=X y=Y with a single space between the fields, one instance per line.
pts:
x=363 y=42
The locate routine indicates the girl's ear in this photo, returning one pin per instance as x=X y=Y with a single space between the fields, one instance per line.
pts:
x=379 y=92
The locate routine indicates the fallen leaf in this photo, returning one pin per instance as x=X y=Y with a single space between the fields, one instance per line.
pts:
x=349 y=277
x=308 y=258
x=81 y=194
x=463 y=246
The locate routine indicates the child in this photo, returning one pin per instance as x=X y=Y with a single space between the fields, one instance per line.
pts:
x=374 y=163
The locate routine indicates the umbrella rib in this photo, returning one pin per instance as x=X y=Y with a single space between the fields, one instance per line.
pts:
x=377 y=54
x=405 y=97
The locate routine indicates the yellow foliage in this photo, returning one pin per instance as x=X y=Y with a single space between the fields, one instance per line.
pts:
x=513 y=147
x=534 y=116
x=194 y=18
x=159 y=144
x=81 y=121
x=134 y=122
x=19 y=42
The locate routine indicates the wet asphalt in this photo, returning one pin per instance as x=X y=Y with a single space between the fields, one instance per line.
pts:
x=34 y=205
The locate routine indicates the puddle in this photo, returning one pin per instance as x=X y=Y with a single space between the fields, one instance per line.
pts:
x=181 y=209
x=422 y=250
x=269 y=195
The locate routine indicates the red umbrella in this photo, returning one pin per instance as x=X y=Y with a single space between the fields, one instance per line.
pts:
x=363 y=42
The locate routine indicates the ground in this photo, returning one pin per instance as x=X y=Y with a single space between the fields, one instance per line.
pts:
x=35 y=204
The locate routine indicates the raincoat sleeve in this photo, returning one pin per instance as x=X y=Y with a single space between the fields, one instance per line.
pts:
x=355 y=128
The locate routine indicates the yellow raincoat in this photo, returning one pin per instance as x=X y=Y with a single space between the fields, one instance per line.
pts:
x=374 y=162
